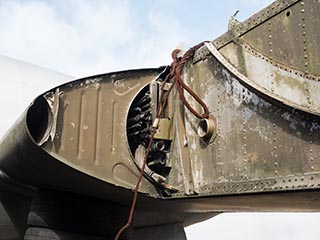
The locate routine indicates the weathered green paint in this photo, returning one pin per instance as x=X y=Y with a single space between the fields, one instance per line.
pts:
x=262 y=87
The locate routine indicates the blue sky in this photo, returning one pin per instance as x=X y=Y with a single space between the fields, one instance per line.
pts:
x=80 y=38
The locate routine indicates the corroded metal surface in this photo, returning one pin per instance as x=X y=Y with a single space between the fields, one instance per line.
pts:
x=267 y=68
x=261 y=145
x=275 y=81
x=291 y=37
x=79 y=126
x=90 y=126
x=257 y=150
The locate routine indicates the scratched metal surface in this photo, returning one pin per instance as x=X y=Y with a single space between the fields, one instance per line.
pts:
x=89 y=126
x=262 y=144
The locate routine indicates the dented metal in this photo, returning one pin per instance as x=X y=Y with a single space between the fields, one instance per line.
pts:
x=260 y=81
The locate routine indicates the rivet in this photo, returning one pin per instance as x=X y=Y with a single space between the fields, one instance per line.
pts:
x=274 y=139
x=302 y=3
x=311 y=150
x=275 y=164
x=275 y=148
x=244 y=138
x=306 y=64
x=272 y=89
x=270 y=36
x=270 y=50
x=303 y=25
x=312 y=168
x=276 y=172
x=305 y=56
x=302 y=10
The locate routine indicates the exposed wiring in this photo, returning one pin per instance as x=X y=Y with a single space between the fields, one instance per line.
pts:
x=176 y=75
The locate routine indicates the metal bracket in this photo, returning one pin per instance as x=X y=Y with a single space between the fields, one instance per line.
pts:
x=164 y=130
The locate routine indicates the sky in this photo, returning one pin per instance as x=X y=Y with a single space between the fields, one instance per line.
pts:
x=82 y=38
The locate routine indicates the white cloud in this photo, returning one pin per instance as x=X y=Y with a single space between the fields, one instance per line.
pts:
x=81 y=37
x=85 y=37
x=262 y=226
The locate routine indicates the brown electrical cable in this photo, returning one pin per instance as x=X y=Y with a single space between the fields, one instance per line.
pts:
x=135 y=194
x=181 y=86
x=175 y=74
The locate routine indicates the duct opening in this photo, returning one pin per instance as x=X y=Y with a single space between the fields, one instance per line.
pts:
x=38 y=120
x=207 y=128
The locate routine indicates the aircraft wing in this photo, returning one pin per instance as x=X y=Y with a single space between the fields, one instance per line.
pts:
x=231 y=125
